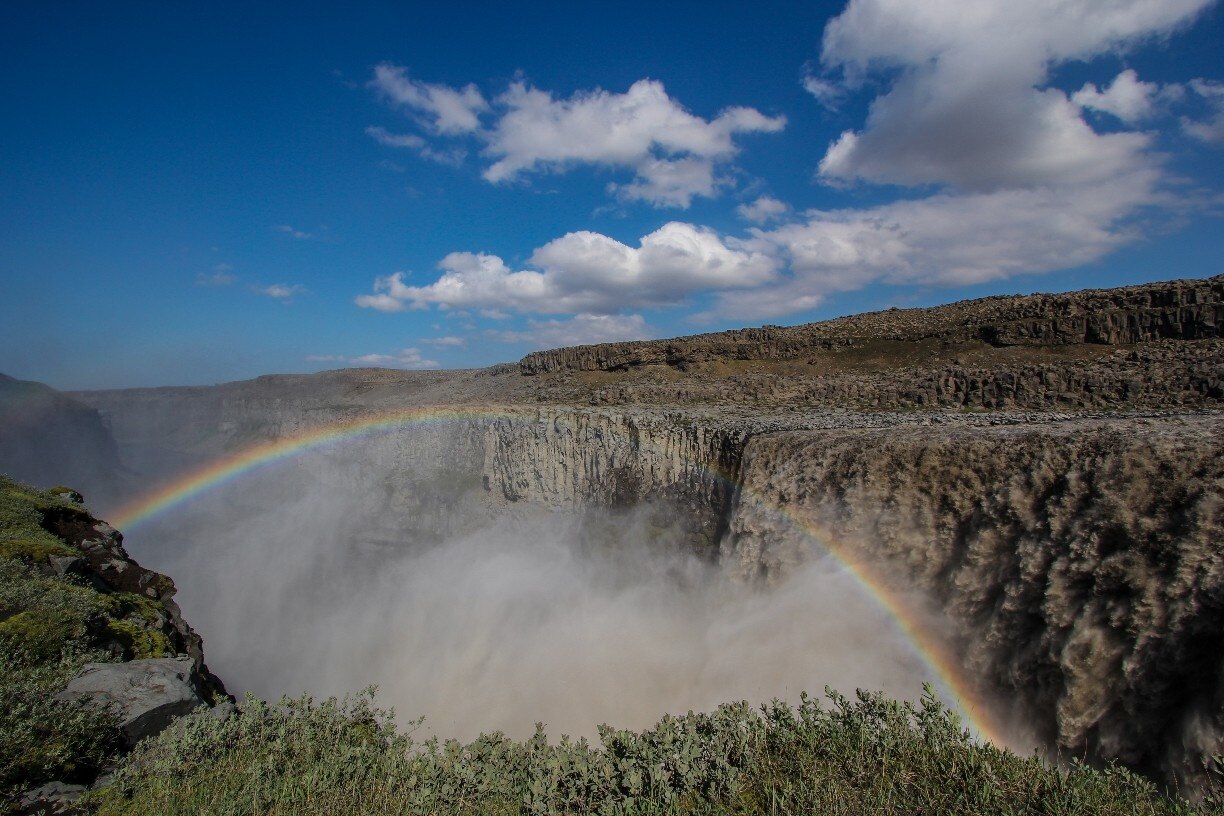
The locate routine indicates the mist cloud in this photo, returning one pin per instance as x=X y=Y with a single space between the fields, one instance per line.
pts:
x=313 y=577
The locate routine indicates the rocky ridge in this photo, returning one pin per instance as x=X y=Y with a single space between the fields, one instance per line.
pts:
x=1183 y=310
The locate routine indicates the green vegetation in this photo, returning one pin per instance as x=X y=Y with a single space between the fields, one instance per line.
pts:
x=864 y=756
x=51 y=624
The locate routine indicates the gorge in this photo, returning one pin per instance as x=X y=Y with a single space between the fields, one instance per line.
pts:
x=1020 y=499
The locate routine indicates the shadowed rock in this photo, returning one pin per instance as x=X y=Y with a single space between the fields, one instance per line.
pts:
x=147 y=694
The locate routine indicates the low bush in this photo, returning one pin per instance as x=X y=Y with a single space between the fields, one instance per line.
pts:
x=868 y=755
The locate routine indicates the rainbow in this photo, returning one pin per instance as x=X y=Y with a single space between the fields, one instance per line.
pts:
x=928 y=648
x=214 y=474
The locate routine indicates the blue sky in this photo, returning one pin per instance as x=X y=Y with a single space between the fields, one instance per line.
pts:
x=193 y=193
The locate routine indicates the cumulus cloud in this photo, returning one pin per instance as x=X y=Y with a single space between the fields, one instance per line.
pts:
x=409 y=358
x=1210 y=130
x=581 y=329
x=1127 y=97
x=1016 y=179
x=443 y=109
x=674 y=154
x=586 y=272
x=968 y=106
x=947 y=239
x=765 y=208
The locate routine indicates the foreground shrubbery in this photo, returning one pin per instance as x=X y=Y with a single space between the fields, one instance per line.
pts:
x=864 y=756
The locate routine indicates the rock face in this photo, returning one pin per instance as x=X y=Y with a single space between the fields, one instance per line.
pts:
x=50 y=800
x=614 y=459
x=1080 y=560
x=48 y=438
x=147 y=694
x=105 y=564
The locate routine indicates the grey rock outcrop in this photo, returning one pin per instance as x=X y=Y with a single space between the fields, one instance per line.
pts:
x=147 y=695
x=51 y=799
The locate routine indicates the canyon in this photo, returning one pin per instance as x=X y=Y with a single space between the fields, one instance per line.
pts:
x=1042 y=476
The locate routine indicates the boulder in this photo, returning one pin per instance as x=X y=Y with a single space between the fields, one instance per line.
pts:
x=146 y=694
x=51 y=798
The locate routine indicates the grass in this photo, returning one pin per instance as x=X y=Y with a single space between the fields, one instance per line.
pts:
x=867 y=755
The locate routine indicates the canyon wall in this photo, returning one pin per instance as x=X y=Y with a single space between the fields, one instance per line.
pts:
x=1080 y=562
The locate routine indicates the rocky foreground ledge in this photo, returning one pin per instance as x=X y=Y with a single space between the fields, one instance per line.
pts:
x=95 y=653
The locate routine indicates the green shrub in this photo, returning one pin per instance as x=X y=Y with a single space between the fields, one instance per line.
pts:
x=41 y=738
x=863 y=756
x=39 y=635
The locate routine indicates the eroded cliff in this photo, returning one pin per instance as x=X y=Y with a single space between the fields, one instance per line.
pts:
x=1080 y=561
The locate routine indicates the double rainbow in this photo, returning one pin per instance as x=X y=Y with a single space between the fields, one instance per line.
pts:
x=933 y=653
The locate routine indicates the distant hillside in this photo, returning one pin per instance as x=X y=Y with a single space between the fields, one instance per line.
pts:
x=47 y=437
x=1182 y=310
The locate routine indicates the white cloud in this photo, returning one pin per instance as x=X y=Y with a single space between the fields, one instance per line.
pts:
x=1210 y=130
x=221 y=275
x=673 y=153
x=765 y=208
x=444 y=109
x=449 y=341
x=1127 y=97
x=453 y=156
x=943 y=240
x=404 y=358
x=827 y=92
x=586 y=272
x=581 y=329
x=968 y=107
x=296 y=234
x=283 y=292
x=1022 y=183
x=388 y=139
x=382 y=301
